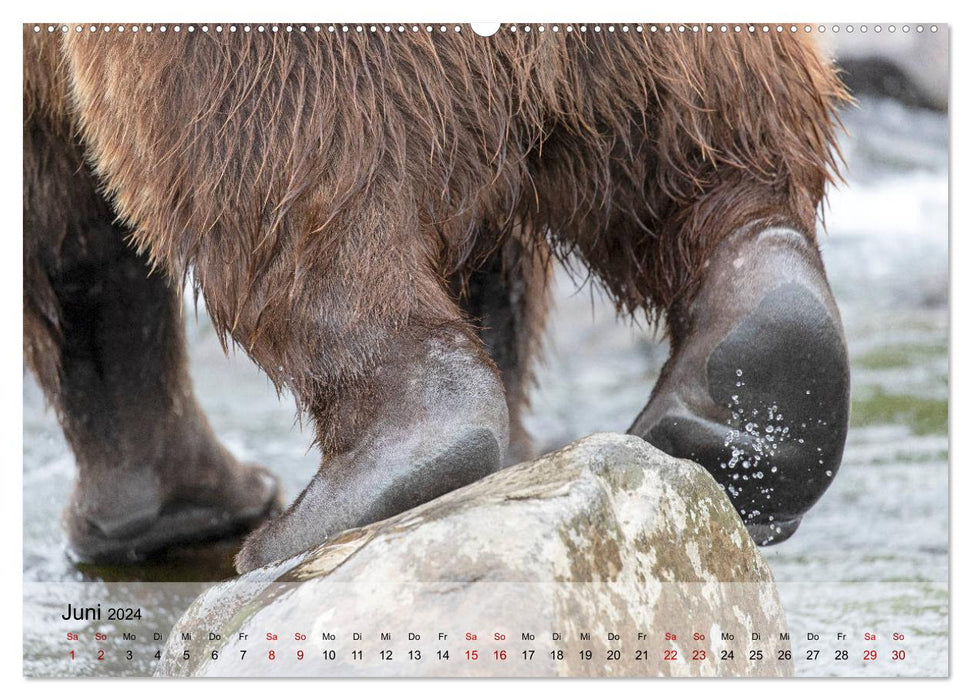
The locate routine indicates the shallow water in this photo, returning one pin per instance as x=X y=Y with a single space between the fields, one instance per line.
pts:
x=884 y=520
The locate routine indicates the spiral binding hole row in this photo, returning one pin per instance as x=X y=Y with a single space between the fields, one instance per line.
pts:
x=512 y=28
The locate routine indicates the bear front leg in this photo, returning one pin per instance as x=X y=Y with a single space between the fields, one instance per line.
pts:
x=428 y=419
x=757 y=386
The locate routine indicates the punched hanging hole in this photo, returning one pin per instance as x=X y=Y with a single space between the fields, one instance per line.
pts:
x=485 y=28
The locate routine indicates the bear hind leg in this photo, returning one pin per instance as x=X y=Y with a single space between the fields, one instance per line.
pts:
x=105 y=338
x=507 y=299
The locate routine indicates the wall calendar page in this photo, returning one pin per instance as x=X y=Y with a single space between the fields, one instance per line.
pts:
x=575 y=350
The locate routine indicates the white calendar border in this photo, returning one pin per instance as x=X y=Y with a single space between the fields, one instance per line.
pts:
x=830 y=11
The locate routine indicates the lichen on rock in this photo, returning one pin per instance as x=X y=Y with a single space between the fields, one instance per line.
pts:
x=608 y=544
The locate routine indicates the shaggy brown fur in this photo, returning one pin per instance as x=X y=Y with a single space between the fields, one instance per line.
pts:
x=338 y=195
x=344 y=176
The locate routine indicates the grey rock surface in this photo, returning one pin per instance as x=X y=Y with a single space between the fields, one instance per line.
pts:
x=607 y=537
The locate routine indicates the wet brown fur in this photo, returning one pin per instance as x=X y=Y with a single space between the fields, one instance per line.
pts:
x=333 y=194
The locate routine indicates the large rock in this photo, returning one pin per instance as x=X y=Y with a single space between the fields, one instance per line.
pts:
x=607 y=537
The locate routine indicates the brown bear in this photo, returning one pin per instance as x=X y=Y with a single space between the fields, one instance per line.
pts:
x=372 y=216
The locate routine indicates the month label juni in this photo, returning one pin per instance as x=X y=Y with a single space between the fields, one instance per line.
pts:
x=103 y=638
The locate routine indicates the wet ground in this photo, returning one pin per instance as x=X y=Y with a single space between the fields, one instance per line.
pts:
x=884 y=520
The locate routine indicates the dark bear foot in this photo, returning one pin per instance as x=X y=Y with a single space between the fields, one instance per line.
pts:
x=132 y=516
x=757 y=386
x=443 y=424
